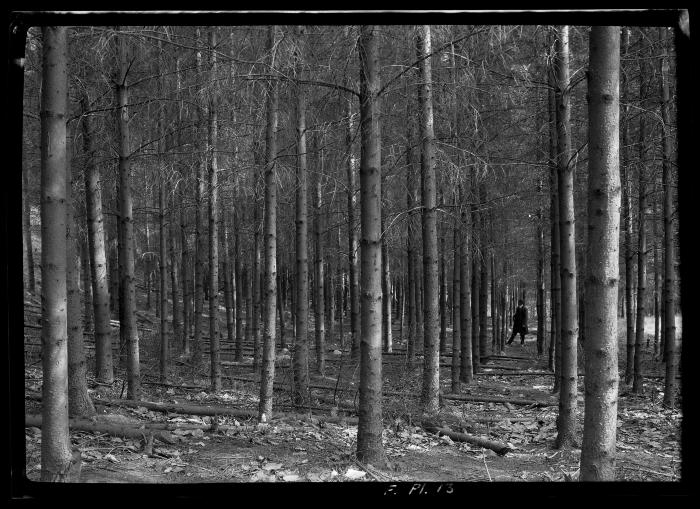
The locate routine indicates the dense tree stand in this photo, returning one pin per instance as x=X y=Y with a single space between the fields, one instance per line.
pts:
x=315 y=241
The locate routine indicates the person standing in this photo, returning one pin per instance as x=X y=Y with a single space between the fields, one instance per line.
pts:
x=519 y=323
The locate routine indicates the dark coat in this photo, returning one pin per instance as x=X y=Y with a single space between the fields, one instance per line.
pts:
x=520 y=320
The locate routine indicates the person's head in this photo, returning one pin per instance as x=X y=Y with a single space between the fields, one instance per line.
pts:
x=520 y=302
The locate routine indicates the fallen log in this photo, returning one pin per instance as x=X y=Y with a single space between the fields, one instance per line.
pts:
x=517 y=373
x=497 y=447
x=510 y=357
x=178 y=408
x=491 y=399
x=122 y=430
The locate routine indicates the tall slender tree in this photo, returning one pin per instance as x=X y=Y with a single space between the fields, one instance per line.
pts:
x=555 y=274
x=466 y=370
x=200 y=250
x=641 y=235
x=56 y=459
x=79 y=402
x=431 y=345
x=627 y=213
x=601 y=382
x=102 y=329
x=566 y=421
x=370 y=448
x=270 y=235
x=669 y=247
x=127 y=303
x=213 y=185
x=301 y=345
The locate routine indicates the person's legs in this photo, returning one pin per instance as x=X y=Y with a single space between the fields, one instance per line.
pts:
x=522 y=338
x=512 y=336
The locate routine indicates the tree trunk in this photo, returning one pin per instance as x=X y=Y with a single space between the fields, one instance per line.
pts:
x=555 y=242
x=601 y=381
x=467 y=370
x=669 y=258
x=280 y=302
x=98 y=260
x=174 y=279
x=318 y=279
x=457 y=289
x=213 y=184
x=85 y=279
x=566 y=422
x=228 y=286
x=443 y=289
x=658 y=270
x=241 y=286
x=186 y=281
x=627 y=215
x=410 y=259
x=484 y=280
x=370 y=448
x=128 y=303
x=55 y=439
x=354 y=275
x=270 y=233
x=386 y=299
x=199 y=275
x=255 y=293
x=431 y=331
x=475 y=279
x=79 y=402
x=27 y=230
x=163 y=266
x=540 y=274
x=641 y=236
x=301 y=341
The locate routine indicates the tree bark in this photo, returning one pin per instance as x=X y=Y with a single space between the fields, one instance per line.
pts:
x=566 y=422
x=27 y=230
x=641 y=236
x=658 y=269
x=410 y=259
x=484 y=279
x=540 y=273
x=458 y=289
x=475 y=266
x=466 y=371
x=301 y=338
x=555 y=243
x=370 y=448
x=163 y=266
x=79 y=402
x=669 y=258
x=226 y=269
x=85 y=278
x=270 y=233
x=387 y=339
x=627 y=215
x=128 y=303
x=55 y=440
x=98 y=260
x=241 y=284
x=319 y=307
x=199 y=273
x=186 y=278
x=431 y=331
x=213 y=184
x=601 y=381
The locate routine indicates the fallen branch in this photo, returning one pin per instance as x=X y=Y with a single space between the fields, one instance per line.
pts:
x=497 y=447
x=180 y=409
x=492 y=399
x=142 y=431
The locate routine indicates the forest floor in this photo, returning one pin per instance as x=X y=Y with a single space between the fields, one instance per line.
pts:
x=318 y=444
